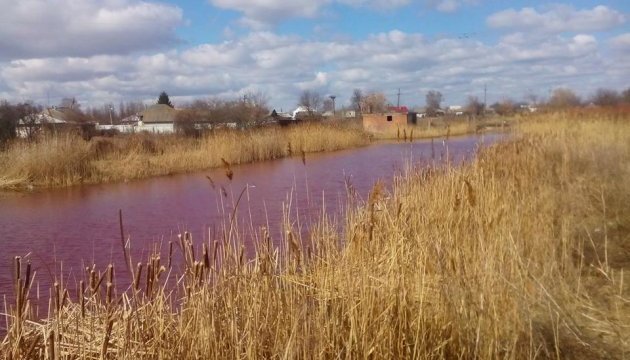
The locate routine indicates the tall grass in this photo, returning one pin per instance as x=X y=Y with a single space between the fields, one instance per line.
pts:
x=518 y=254
x=63 y=160
x=435 y=127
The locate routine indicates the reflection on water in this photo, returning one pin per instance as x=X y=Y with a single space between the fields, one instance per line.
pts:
x=79 y=226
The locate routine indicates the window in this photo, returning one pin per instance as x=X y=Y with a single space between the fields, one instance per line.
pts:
x=389 y=118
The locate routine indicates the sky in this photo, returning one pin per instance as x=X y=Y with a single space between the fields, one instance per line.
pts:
x=108 y=51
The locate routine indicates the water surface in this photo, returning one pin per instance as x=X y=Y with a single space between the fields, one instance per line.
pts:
x=78 y=226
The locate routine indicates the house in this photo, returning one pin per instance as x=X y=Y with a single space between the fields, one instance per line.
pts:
x=349 y=114
x=389 y=120
x=158 y=118
x=398 y=109
x=458 y=110
x=54 y=118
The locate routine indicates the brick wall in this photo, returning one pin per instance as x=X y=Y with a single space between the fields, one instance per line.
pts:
x=383 y=122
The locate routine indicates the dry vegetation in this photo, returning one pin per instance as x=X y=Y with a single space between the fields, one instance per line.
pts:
x=438 y=127
x=519 y=254
x=66 y=159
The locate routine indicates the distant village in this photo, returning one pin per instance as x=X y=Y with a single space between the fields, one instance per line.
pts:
x=252 y=110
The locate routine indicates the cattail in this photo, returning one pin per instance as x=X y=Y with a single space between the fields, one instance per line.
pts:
x=303 y=157
x=170 y=253
x=82 y=298
x=108 y=332
x=149 y=279
x=51 y=345
x=92 y=281
x=240 y=256
x=57 y=296
x=110 y=273
x=108 y=293
x=206 y=257
x=64 y=298
x=136 y=281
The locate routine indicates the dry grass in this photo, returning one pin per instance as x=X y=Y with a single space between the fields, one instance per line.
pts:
x=66 y=159
x=519 y=254
x=438 y=128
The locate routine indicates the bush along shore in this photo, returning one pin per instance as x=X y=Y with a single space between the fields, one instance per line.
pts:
x=66 y=159
x=519 y=254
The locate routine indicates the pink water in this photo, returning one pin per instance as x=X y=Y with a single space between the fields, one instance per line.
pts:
x=79 y=226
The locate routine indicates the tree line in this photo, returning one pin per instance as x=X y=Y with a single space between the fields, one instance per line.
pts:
x=251 y=108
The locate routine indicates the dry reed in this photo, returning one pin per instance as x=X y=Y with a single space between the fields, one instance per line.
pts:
x=66 y=159
x=518 y=254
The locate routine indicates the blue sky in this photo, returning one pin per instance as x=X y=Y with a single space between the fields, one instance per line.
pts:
x=121 y=50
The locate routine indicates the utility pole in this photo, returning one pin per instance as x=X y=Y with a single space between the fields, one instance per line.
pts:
x=398 y=102
x=333 y=97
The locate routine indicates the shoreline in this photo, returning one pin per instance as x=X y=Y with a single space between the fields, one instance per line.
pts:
x=353 y=137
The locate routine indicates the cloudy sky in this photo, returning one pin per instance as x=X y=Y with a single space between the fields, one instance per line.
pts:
x=119 y=50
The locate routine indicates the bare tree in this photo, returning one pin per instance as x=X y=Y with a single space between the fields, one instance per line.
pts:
x=8 y=122
x=625 y=96
x=328 y=105
x=357 y=99
x=23 y=117
x=504 y=107
x=311 y=100
x=248 y=110
x=563 y=98
x=374 y=102
x=434 y=100
x=130 y=108
x=605 y=97
x=255 y=107
x=474 y=106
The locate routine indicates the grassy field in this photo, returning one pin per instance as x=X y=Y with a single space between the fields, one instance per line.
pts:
x=66 y=159
x=519 y=254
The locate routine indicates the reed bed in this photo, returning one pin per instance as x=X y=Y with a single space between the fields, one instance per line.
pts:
x=438 y=128
x=520 y=254
x=66 y=159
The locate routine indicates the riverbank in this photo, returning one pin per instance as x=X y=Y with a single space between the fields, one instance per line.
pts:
x=66 y=159
x=445 y=127
x=518 y=254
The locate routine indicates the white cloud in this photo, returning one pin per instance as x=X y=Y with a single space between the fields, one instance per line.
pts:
x=261 y=15
x=557 y=19
x=41 y=28
x=282 y=66
x=621 y=42
x=449 y=6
